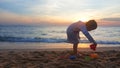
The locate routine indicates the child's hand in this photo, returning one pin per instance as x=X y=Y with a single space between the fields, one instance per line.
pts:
x=93 y=46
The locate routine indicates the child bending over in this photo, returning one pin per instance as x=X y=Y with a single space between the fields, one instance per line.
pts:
x=74 y=29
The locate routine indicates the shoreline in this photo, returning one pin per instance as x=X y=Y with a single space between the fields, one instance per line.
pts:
x=54 y=46
x=99 y=49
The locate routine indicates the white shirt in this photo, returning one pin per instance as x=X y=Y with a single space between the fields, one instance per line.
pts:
x=80 y=26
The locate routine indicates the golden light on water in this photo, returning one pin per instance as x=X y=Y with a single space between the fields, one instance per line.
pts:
x=83 y=45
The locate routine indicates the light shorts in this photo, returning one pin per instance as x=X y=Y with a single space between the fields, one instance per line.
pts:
x=72 y=37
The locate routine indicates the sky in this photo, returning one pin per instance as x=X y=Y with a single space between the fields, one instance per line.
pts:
x=105 y=12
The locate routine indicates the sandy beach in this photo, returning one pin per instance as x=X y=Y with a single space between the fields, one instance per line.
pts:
x=44 y=33
x=107 y=57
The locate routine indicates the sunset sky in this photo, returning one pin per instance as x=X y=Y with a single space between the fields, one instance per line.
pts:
x=105 y=12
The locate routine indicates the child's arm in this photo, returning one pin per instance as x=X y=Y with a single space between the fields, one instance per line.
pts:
x=86 y=33
x=89 y=37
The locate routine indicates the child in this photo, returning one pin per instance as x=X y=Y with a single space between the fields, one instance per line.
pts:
x=74 y=29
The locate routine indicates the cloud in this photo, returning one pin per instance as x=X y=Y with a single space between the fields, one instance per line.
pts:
x=7 y=17
x=58 y=10
x=56 y=7
x=108 y=23
x=10 y=17
x=112 y=19
x=19 y=6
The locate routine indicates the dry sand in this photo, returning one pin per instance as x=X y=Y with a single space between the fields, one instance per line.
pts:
x=108 y=57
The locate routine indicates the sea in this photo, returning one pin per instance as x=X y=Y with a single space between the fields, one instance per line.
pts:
x=51 y=34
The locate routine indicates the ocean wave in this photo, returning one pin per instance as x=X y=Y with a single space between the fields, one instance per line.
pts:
x=49 y=40
x=36 y=39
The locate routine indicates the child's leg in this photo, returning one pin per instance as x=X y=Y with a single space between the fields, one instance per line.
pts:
x=75 y=48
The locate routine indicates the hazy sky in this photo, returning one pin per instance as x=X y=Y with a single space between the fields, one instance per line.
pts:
x=105 y=12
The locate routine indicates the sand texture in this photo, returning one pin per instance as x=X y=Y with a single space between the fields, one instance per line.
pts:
x=58 y=59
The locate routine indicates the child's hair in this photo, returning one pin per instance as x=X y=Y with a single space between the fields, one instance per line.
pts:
x=91 y=25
